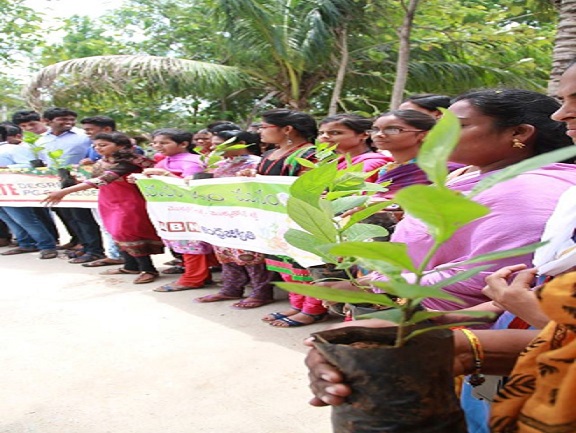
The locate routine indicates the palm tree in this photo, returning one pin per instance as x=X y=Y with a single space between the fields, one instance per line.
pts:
x=117 y=72
x=565 y=43
x=286 y=49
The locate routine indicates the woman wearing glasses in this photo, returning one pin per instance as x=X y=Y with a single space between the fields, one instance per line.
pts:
x=401 y=133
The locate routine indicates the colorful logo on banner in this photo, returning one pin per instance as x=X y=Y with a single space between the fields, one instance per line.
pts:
x=246 y=213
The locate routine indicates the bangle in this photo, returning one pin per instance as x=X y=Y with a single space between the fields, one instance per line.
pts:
x=476 y=378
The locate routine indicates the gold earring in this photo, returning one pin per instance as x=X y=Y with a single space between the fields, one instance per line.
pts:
x=518 y=144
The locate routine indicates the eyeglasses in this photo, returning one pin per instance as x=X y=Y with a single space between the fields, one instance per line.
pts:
x=392 y=130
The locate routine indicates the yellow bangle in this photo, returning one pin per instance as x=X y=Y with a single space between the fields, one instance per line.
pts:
x=476 y=378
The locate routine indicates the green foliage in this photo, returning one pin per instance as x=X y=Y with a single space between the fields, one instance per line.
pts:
x=442 y=210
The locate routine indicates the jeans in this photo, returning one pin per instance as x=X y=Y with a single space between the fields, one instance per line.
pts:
x=27 y=228
x=85 y=227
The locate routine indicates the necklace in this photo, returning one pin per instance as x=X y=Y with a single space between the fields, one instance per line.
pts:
x=273 y=162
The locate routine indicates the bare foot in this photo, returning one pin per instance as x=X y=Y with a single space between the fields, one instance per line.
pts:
x=275 y=316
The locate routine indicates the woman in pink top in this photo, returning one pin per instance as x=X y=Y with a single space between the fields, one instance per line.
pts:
x=197 y=256
x=351 y=133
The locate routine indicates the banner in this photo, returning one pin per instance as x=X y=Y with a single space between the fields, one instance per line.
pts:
x=238 y=212
x=27 y=188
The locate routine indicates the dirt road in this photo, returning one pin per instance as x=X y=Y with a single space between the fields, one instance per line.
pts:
x=85 y=353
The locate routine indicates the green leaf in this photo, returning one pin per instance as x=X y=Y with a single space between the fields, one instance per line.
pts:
x=365 y=213
x=363 y=232
x=312 y=220
x=393 y=315
x=455 y=211
x=337 y=295
x=343 y=204
x=391 y=252
x=306 y=163
x=307 y=242
x=310 y=185
x=421 y=316
x=460 y=276
x=523 y=166
x=414 y=291
x=437 y=147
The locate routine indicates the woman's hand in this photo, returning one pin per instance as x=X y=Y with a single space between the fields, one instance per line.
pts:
x=247 y=172
x=155 y=172
x=54 y=198
x=503 y=293
x=326 y=381
x=517 y=296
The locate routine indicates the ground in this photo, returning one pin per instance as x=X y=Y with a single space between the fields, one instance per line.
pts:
x=85 y=353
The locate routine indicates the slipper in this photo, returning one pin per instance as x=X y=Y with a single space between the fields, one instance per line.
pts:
x=277 y=315
x=295 y=323
x=174 y=270
x=19 y=250
x=175 y=288
x=86 y=258
x=118 y=271
x=216 y=297
x=146 y=277
x=175 y=262
x=48 y=254
x=103 y=262
x=251 y=303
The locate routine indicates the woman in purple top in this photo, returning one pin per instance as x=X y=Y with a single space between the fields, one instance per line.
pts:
x=499 y=128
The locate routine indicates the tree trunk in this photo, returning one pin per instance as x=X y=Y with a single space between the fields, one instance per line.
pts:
x=403 y=54
x=339 y=83
x=565 y=43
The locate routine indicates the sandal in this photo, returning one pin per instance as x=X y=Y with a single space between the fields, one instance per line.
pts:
x=48 y=254
x=174 y=270
x=287 y=322
x=216 y=297
x=277 y=315
x=146 y=277
x=175 y=288
x=86 y=258
x=19 y=250
x=175 y=262
x=103 y=262
x=118 y=271
x=251 y=303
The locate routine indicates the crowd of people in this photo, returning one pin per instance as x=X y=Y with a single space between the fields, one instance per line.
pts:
x=500 y=127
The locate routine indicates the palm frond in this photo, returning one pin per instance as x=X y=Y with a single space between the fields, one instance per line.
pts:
x=113 y=72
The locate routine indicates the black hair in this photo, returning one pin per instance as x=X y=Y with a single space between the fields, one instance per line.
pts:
x=3 y=133
x=118 y=138
x=53 y=113
x=355 y=122
x=513 y=107
x=252 y=140
x=222 y=125
x=101 y=121
x=414 y=118
x=177 y=135
x=11 y=129
x=23 y=116
x=302 y=123
x=429 y=101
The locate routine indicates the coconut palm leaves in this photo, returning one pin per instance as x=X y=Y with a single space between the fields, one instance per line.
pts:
x=177 y=76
